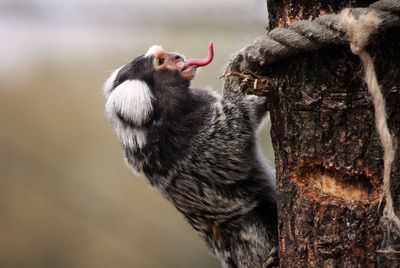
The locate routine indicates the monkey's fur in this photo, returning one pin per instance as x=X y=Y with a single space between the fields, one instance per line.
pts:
x=199 y=151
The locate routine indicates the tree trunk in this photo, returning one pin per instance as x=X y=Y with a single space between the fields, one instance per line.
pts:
x=328 y=155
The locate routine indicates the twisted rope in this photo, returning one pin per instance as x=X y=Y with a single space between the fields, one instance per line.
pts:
x=307 y=35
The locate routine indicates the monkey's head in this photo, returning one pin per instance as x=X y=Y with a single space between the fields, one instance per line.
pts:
x=150 y=85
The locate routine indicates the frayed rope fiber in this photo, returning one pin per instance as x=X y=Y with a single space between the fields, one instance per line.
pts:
x=358 y=31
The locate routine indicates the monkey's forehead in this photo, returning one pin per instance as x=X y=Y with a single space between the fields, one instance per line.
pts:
x=158 y=52
x=155 y=50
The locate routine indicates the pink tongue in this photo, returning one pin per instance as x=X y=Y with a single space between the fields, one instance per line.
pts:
x=204 y=62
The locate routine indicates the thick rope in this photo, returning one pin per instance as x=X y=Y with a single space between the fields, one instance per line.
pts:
x=359 y=32
x=307 y=35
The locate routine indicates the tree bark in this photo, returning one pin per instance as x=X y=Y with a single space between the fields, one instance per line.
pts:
x=328 y=156
x=282 y=13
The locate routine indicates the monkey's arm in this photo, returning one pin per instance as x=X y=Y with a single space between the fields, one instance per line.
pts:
x=259 y=108
x=251 y=108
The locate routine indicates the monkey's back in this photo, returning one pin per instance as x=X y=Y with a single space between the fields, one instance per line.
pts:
x=206 y=161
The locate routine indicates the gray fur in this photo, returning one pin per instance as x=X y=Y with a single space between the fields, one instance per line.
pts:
x=201 y=154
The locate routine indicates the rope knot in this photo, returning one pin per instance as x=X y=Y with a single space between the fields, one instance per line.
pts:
x=359 y=30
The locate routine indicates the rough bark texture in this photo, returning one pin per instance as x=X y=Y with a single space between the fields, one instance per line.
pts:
x=328 y=156
x=327 y=153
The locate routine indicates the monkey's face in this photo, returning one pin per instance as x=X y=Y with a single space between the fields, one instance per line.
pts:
x=148 y=85
x=170 y=62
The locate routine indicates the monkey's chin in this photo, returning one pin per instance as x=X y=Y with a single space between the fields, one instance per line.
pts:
x=189 y=73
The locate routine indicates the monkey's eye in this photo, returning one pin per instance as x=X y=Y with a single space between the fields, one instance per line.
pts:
x=160 y=61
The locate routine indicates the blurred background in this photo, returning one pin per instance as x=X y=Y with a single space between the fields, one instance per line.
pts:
x=66 y=197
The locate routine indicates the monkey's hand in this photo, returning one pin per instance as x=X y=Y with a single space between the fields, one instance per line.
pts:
x=273 y=259
x=251 y=83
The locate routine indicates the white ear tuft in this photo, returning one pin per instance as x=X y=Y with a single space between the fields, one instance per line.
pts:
x=133 y=100
x=109 y=84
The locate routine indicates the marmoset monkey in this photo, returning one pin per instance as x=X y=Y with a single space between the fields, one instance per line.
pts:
x=199 y=150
